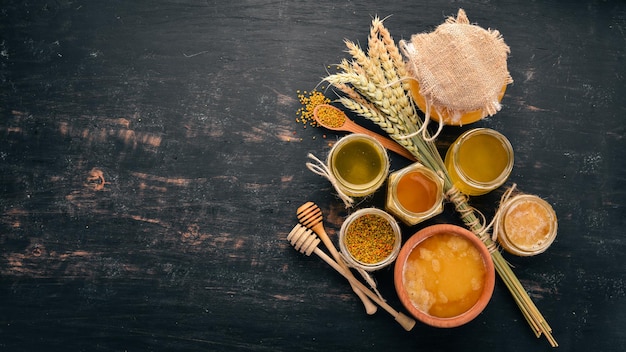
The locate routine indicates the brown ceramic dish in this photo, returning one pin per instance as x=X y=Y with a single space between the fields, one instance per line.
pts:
x=487 y=285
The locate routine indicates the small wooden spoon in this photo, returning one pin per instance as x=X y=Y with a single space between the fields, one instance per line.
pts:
x=304 y=241
x=310 y=216
x=351 y=126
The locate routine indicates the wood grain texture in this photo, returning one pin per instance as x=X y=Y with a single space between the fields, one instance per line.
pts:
x=151 y=166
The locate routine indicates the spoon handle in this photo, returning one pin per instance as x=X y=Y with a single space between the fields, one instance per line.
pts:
x=386 y=142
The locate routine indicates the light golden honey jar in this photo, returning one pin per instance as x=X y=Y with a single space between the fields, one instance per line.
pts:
x=479 y=161
x=359 y=163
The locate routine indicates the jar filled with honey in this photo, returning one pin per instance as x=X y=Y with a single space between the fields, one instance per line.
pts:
x=414 y=194
x=479 y=161
x=359 y=163
x=458 y=72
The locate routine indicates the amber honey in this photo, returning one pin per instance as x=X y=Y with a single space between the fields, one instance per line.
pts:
x=444 y=275
x=414 y=194
x=444 y=116
x=417 y=193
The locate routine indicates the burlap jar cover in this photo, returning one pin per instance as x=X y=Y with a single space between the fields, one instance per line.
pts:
x=459 y=71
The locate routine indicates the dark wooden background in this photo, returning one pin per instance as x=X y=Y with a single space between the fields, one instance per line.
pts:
x=151 y=167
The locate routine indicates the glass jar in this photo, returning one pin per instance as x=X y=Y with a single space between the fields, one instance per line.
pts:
x=479 y=161
x=443 y=114
x=359 y=163
x=414 y=194
x=528 y=225
x=370 y=239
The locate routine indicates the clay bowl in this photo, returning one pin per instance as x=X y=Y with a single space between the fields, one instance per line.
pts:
x=481 y=293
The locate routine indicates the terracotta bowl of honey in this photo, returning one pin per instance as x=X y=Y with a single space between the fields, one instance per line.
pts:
x=444 y=276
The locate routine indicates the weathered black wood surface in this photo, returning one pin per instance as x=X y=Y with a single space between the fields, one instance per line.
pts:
x=151 y=167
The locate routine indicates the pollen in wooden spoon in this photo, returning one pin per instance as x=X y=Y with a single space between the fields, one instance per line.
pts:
x=329 y=116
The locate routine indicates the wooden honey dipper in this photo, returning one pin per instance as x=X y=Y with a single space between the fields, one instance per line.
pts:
x=310 y=216
x=305 y=241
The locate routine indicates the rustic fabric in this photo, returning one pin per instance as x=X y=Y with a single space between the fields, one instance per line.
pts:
x=460 y=67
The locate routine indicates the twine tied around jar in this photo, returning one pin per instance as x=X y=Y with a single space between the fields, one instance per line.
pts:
x=478 y=226
x=481 y=228
x=318 y=167
x=497 y=218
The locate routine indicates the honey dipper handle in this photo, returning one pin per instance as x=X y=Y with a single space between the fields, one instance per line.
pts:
x=370 y=308
x=406 y=322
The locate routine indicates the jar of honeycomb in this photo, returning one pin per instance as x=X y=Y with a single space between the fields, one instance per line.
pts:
x=527 y=226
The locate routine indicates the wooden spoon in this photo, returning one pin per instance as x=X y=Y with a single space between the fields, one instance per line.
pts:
x=310 y=216
x=304 y=241
x=351 y=126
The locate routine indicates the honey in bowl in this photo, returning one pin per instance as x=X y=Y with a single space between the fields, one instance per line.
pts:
x=444 y=275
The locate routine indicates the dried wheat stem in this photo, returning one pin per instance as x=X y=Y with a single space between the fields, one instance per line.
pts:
x=380 y=119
